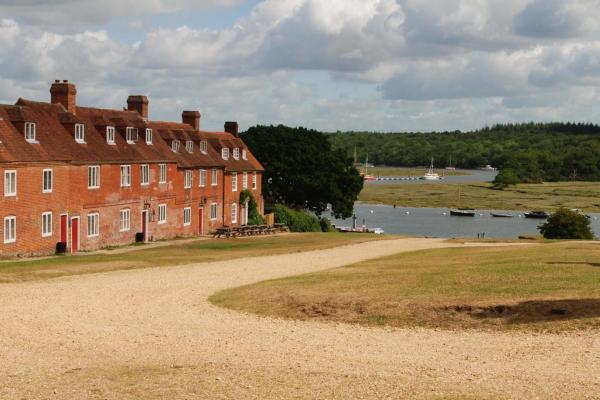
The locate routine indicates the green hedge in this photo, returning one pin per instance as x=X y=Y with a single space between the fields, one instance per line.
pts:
x=297 y=221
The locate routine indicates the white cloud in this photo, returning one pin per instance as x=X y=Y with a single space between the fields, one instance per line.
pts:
x=336 y=64
x=71 y=15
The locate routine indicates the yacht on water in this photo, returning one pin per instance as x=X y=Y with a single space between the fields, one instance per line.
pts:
x=431 y=175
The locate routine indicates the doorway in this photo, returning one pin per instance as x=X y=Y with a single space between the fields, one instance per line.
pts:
x=201 y=221
x=145 y=224
x=74 y=235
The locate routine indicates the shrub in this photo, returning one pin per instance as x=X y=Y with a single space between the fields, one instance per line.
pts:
x=254 y=217
x=567 y=224
x=297 y=221
x=505 y=178
x=326 y=225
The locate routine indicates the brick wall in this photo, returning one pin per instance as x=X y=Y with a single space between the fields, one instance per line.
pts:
x=71 y=196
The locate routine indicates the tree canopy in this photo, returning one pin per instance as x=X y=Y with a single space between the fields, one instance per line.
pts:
x=529 y=153
x=303 y=171
x=567 y=224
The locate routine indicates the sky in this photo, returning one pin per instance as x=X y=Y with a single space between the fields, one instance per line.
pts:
x=375 y=65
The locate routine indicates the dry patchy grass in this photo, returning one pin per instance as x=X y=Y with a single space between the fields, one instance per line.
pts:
x=550 y=287
x=545 y=196
x=187 y=252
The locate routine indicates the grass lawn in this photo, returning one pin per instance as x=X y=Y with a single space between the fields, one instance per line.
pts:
x=409 y=171
x=545 y=196
x=173 y=254
x=550 y=287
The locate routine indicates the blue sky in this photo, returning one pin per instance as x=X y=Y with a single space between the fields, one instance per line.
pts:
x=385 y=65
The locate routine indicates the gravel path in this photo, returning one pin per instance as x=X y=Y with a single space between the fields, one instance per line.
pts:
x=151 y=334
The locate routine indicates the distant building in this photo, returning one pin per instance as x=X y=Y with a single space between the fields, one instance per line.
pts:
x=92 y=177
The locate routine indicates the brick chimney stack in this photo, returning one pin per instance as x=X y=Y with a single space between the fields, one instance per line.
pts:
x=139 y=104
x=191 y=118
x=232 y=127
x=64 y=93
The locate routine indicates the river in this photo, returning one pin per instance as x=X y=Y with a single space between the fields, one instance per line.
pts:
x=436 y=222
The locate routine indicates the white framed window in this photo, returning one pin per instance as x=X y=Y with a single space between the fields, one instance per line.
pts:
x=188 y=178
x=162 y=213
x=234 y=185
x=93 y=177
x=148 y=136
x=46 y=224
x=125 y=175
x=189 y=146
x=80 y=133
x=162 y=169
x=30 y=132
x=47 y=181
x=144 y=175
x=131 y=134
x=234 y=213
x=213 y=211
x=93 y=225
x=187 y=216
x=10 y=183
x=236 y=153
x=10 y=229
x=110 y=134
x=125 y=220
x=204 y=147
x=225 y=153
x=202 y=178
x=254 y=177
x=245 y=180
x=244 y=154
x=175 y=145
x=214 y=176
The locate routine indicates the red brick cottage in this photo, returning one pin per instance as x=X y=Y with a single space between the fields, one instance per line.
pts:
x=93 y=177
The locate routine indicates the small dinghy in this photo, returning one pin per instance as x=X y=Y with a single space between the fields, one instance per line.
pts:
x=501 y=215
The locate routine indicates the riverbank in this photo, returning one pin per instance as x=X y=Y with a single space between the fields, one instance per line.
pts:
x=546 y=196
x=409 y=171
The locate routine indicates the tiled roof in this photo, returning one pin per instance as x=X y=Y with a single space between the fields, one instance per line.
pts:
x=55 y=137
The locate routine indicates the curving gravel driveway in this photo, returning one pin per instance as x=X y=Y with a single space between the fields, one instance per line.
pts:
x=151 y=334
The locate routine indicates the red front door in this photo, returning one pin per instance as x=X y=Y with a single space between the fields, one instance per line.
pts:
x=145 y=224
x=63 y=228
x=201 y=221
x=74 y=235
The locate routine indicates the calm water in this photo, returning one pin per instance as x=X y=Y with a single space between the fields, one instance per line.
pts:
x=431 y=222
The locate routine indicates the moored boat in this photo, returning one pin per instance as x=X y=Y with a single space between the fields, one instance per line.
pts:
x=501 y=215
x=462 y=212
x=536 y=214
x=431 y=175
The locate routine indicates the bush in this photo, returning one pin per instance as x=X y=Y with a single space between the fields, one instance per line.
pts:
x=505 y=178
x=567 y=224
x=254 y=217
x=326 y=225
x=297 y=221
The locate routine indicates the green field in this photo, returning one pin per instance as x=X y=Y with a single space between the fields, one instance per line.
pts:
x=408 y=171
x=551 y=287
x=545 y=196
x=171 y=254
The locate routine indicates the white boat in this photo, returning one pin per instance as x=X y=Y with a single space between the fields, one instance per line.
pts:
x=431 y=175
x=488 y=168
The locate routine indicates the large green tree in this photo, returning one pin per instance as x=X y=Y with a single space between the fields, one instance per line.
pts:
x=567 y=224
x=303 y=171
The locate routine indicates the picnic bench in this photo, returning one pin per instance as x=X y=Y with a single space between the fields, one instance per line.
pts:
x=248 y=230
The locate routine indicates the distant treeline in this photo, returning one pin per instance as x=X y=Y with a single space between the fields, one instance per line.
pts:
x=532 y=152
